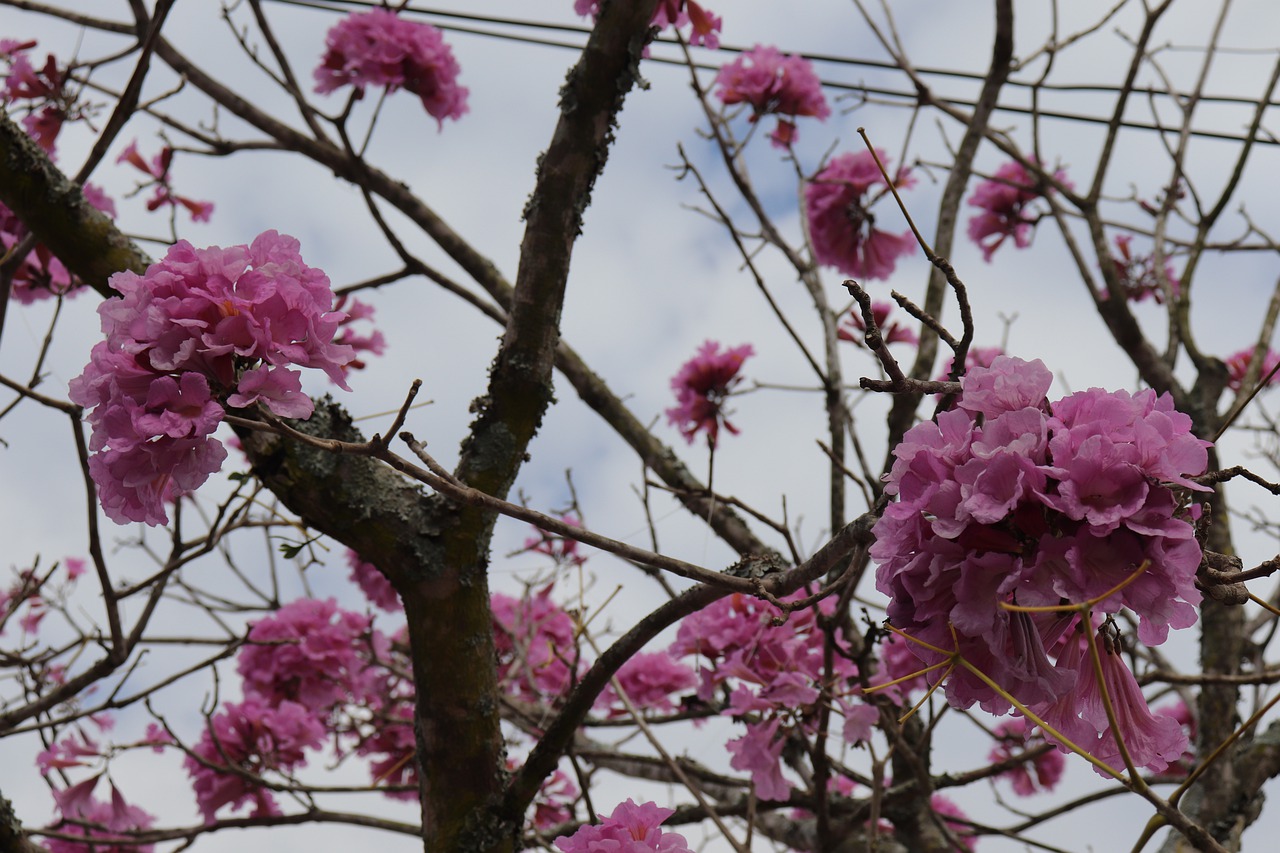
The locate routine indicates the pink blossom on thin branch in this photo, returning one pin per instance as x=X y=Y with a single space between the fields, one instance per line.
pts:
x=1239 y=363
x=1137 y=273
x=1007 y=208
x=703 y=386
x=107 y=822
x=854 y=329
x=1040 y=774
x=158 y=172
x=380 y=48
x=841 y=224
x=773 y=84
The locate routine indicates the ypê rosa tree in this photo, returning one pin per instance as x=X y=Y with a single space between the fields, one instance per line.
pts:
x=233 y=602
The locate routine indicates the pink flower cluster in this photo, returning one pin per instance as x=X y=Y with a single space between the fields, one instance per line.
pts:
x=974 y=357
x=373 y=343
x=111 y=823
x=41 y=275
x=1014 y=737
x=704 y=25
x=773 y=84
x=770 y=670
x=1006 y=204
x=243 y=742
x=536 y=644
x=1137 y=273
x=1010 y=500
x=304 y=667
x=702 y=388
x=157 y=171
x=50 y=102
x=380 y=48
x=373 y=584
x=202 y=326
x=309 y=652
x=1238 y=366
x=630 y=828
x=649 y=680
x=854 y=328
x=841 y=224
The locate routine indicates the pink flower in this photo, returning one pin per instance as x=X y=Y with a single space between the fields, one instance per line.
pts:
x=536 y=645
x=1011 y=499
x=554 y=805
x=373 y=343
x=773 y=84
x=68 y=752
x=841 y=224
x=158 y=172
x=135 y=484
x=1179 y=711
x=760 y=752
x=197 y=326
x=41 y=275
x=561 y=549
x=854 y=329
x=1006 y=208
x=50 y=102
x=379 y=48
x=1238 y=365
x=954 y=817
x=1153 y=741
x=703 y=386
x=1137 y=273
x=75 y=568
x=705 y=25
x=630 y=829
x=157 y=737
x=705 y=29
x=277 y=388
x=373 y=584
x=649 y=680
x=1014 y=738
x=249 y=739
x=307 y=652
x=114 y=821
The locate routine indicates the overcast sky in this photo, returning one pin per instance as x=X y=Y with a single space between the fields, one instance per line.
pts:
x=651 y=280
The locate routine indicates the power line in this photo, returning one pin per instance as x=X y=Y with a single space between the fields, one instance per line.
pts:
x=906 y=97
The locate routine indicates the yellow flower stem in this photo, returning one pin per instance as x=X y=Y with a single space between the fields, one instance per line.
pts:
x=957 y=658
x=1026 y=712
x=1264 y=604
